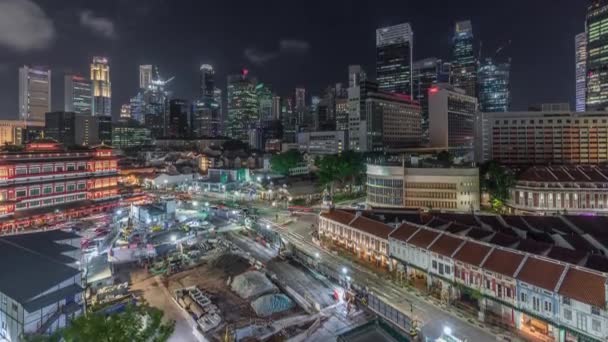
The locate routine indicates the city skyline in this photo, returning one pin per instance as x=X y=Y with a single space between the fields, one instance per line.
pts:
x=290 y=58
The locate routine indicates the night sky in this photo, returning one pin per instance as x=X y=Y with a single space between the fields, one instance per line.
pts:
x=283 y=43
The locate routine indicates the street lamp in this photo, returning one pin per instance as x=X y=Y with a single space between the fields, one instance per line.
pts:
x=195 y=203
x=447 y=330
x=267 y=226
x=119 y=212
x=344 y=270
x=173 y=238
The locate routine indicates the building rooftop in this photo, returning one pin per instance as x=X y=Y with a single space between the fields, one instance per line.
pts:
x=32 y=271
x=472 y=253
x=423 y=238
x=404 y=232
x=373 y=227
x=584 y=286
x=503 y=261
x=574 y=173
x=341 y=216
x=446 y=245
x=540 y=272
x=567 y=255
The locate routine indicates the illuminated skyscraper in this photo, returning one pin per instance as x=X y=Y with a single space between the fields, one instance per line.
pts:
x=242 y=103
x=125 y=112
x=427 y=72
x=464 y=63
x=264 y=102
x=580 y=57
x=597 y=56
x=206 y=111
x=207 y=81
x=493 y=82
x=276 y=107
x=145 y=76
x=77 y=94
x=34 y=93
x=102 y=87
x=394 y=53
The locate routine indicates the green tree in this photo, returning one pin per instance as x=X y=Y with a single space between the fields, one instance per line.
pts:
x=445 y=157
x=345 y=169
x=283 y=162
x=140 y=323
x=496 y=180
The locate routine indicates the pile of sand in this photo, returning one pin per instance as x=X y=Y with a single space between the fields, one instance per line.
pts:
x=252 y=284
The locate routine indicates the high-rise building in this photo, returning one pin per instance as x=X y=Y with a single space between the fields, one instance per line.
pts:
x=206 y=111
x=379 y=120
x=206 y=120
x=219 y=100
x=276 y=107
x=34 y=93
x=342 y=114
x=104 y=129
x=464 y=63
x=356 y=74
x=394 y=58
x=102 y=88
x=125 y=112
x=72 y=129
x=451 y=117
x=597 y=55
x=145 y=76
x=136 y=104
x=242 y=103
x=541 y=138
x=207 y=81
x=427 y=73
x=288 y=119
x=264 y=96
x=301 y=109
x=494 y=86
x=77 y=94
x=179 y=120
x=130 y=134
x=580 y=67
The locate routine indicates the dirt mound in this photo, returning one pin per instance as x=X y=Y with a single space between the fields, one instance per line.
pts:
x=252 y=284
x=231 y=264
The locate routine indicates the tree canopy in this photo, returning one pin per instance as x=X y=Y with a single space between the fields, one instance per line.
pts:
x=283 y=162
x=343 y=169
x=496 y=180
x=140 y=323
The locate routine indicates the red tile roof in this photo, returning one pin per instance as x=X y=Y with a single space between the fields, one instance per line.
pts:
x=446 y=245
x=585 y=287
x=339 y=216
x=541 y=273
x=423 y=238
x=404 y=232
x=503 y=262
x=472 y=253
x=373 y=227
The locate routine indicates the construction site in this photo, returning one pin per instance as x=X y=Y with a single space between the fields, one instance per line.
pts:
x=230 y=295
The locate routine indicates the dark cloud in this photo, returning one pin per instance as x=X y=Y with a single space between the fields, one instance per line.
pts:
x=24 y=26
x=103 y=27
x=286 y=46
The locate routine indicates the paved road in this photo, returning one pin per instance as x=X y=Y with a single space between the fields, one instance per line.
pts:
x=433 y=317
